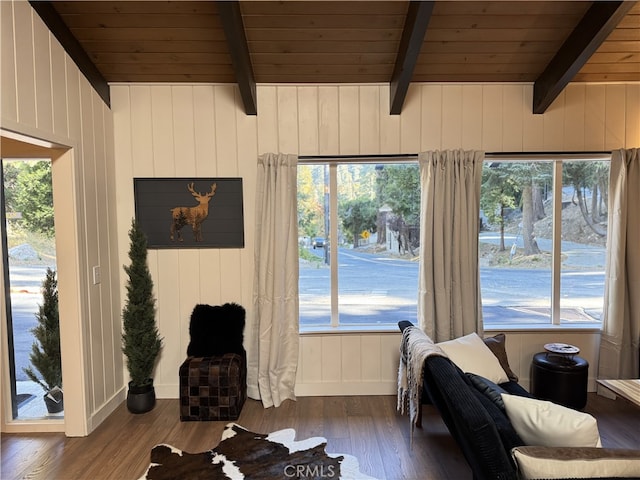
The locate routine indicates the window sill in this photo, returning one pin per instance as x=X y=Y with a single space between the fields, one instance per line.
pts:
x=496 y=328
x=347 y=329
x=545 y=327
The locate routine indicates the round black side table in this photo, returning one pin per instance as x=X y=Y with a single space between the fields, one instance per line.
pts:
x=559 y=375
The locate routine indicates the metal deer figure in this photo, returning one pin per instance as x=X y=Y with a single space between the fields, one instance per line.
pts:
x=193 y=216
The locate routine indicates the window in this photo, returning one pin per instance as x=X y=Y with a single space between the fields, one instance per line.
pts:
x=543 y=241
x=358 y=227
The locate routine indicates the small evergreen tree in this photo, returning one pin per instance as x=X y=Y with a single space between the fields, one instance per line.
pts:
x=141 y=340
x=45 y=352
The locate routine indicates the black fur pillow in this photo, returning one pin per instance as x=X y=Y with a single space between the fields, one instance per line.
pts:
x=216 y=330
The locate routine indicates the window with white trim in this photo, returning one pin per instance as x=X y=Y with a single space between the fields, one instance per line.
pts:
x=542 y=242
x=358 y=228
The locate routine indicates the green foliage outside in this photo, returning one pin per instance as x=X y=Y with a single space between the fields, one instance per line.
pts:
x=141 y=342
x=365 y=191
x=45 y=352
x=28 y=191
x=357 y=216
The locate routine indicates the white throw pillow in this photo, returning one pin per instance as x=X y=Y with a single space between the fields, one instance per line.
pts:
x=539 y=422
x=472 y=355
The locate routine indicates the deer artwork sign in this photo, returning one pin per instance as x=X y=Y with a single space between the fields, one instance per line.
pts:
x=190 y=212
x=193 y=216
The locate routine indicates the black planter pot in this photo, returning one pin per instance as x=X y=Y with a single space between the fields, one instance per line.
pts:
x=54 y=401
x=141 y=399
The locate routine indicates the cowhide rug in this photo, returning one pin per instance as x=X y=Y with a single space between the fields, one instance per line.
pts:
x=242 y=454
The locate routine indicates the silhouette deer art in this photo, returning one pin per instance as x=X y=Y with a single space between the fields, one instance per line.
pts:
x=193 y=216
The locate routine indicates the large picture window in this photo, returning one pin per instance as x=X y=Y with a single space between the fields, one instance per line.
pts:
x=542 y=242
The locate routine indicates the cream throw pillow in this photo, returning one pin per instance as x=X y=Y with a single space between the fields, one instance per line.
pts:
x=472 y=355
x=539 y=422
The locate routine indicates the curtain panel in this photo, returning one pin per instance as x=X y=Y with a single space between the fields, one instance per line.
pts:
x=273 y=356
x=619 y=350
x=449 y=303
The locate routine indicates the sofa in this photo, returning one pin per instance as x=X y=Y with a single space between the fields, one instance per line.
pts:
x=473 y=411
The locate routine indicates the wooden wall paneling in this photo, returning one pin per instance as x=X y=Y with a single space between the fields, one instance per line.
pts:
x=247 y=160
x=59 y=89
x=287 y=104
x=492 y=118
x=351 y=358
x=311 y=358
x=191 y=273
x=513 y=107
x=162 y=124
x=73 y=105
x=431 y=115
x=389 y=124
x=25 y=70
x=205 y=137
x=308 y=129
x=103 y=201
x=614 y=117
x=533 y=125
x=328 y=120
x=452 y=111
x=42 y=65
x=9 y=104
x=349 y=120
x=554 y=125
x=133 y=158
x=142 y=132
x=410 y=121
x=472 y=117
x=204 y=131
x=632 y=116
x=331 y=358
x=370 y=354
x=183 y=128
x=167 y=283
x=369 y=119
x=91 y=240
x=574 y=117
x=267 y=119
x=594 y=114
x=390 y=357
x=123 y=141
x=227 y=157
x=111 y=264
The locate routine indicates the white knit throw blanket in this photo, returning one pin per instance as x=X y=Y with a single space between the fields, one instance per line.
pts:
x=416 y=346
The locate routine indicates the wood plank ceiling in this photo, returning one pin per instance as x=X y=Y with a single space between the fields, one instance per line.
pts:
x=548 y=43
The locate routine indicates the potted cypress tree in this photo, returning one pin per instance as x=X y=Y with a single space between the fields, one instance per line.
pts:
x=45 y=352
x=141 y=342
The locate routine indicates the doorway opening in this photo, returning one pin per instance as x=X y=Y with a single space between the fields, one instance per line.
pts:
x=32 y=326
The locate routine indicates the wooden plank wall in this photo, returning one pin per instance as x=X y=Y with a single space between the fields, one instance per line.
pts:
x=45 y=96
x=200 y=130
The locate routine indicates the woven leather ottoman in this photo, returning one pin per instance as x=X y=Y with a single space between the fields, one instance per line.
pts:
x=212 y=388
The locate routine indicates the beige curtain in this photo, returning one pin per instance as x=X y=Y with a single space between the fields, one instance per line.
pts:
x=273 y=356
x=448 y=284
x=619 y=353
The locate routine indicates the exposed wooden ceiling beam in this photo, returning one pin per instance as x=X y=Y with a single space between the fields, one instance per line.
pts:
x=596 y=25
x=415 y=28
x=239 y=50
x=56 y=25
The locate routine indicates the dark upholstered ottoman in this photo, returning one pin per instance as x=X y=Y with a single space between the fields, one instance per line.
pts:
x=212 y=388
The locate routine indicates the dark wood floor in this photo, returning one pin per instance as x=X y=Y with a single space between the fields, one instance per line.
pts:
x=367 y=427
